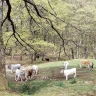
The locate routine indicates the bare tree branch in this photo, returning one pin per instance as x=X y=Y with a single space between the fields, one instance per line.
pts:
x=49 y=21
x=13 y=27
x=51 y=7
x=30 y=14
x=8 y=41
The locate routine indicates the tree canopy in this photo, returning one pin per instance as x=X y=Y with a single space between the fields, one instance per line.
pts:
x=66 y=25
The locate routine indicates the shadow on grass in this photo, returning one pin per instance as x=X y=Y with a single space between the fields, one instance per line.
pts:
x=31 y=87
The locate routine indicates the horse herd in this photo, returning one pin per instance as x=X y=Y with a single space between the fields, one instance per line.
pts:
x=26 y=73
x=89 y=64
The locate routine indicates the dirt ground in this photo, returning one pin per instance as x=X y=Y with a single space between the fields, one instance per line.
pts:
x=54 y=73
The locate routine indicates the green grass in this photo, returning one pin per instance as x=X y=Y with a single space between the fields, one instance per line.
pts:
x=50 y=64
x=34 y=86
x=52 y=88
x=55 y=87
x=7 y=93
x=72 y=63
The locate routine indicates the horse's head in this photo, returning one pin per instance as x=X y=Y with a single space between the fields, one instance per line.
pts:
x=9 y=66
x=62 y=71
x=91 y=65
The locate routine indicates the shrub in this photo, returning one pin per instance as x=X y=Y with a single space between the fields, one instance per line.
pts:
x=72 y=81
x=32 y=87
x=25 y=89
x=12 y=86
x=59 y=83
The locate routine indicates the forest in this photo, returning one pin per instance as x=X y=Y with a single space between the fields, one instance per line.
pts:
x=45 y=31
x=61 y=29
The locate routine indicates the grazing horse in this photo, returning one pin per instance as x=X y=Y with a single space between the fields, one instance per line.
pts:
x=66 y=63
x=13 y=67
x=19 y=75
x=68 y=72
x=35 y=69
x=28 y=72
x=88 y=63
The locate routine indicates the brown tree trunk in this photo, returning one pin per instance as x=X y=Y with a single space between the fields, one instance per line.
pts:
x=35 y=56
x=31 y=57
x=72 y=53
x=3 y=80
x=59 y=53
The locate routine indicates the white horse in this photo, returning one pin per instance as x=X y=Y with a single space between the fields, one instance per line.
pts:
x=18 y=74
x=35 y=69
x=66 y=63
x=28 y=72
x=68 y=72
x=13 y=67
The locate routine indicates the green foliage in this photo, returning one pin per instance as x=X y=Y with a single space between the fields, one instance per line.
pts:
x=72 y=19
x=59 y=84
x=73 y=81
x=43 y=46
x=25 y=88
x=12 y=40
x=42 y=43
x=32 y=87
x=12 y=86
